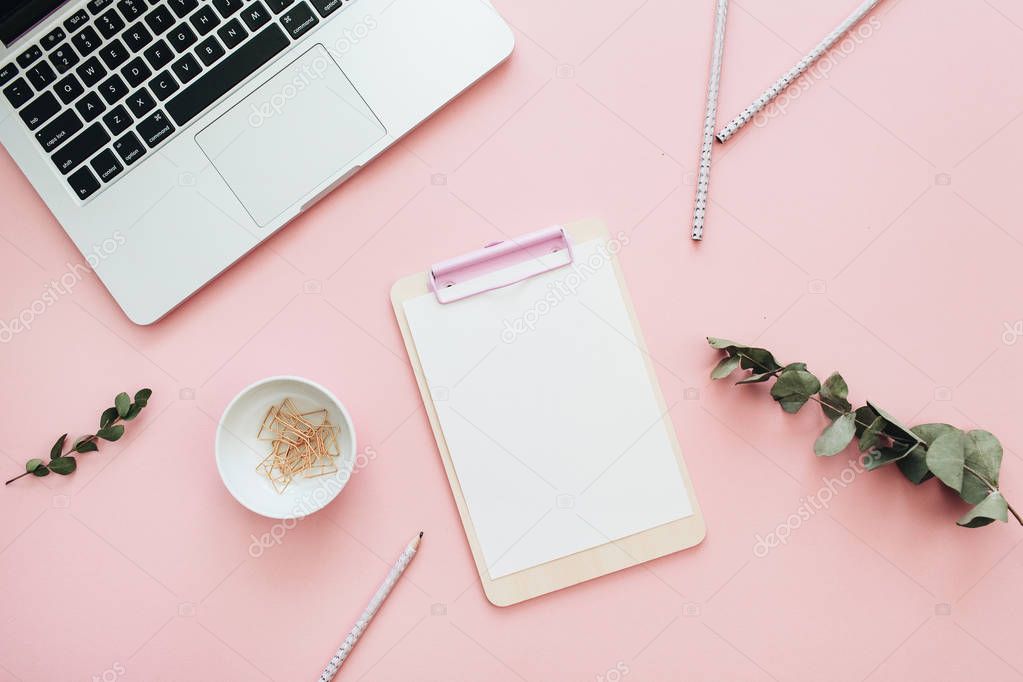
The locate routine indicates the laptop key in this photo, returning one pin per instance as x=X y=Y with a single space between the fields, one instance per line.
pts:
x=232 y=33
x=160 y=20
x=75 y=152
x=83 y=183
x=110 y=23
x=205 y=20
x=87 y=40
x=18 y=93
x=131 y=9
x=183 y=8
x=140 y=103
x=163 y=86
x=255 y=15
x=76 y=21
x=106 y=165
x=219 y=80
x=158 y=55
x=298 y=20
x=209 y=50
x=90 y=106
x=68 y=89
x=114 y=54
x=113 y=89
x=129 y=148
x=41 y=75
x=182 y=37
x=326 y=7
x=97 y=6
x=91 y=71
x=186 y=68
x=7 y=73
x=59 y=131
x=53 y=38
x=41 y=110
x=117 y=120
x=155 y=129
x=227 y=7
x=278 y=6
x=63 y=58
x=137 y=37
x=136 y=72
x=28 y=56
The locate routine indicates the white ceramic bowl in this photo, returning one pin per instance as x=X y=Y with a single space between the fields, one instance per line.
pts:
x=238 y=452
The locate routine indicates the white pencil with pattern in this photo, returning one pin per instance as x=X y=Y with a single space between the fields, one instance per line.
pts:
x=371 y=610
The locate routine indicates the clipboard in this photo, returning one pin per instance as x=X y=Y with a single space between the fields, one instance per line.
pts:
x=501 y=267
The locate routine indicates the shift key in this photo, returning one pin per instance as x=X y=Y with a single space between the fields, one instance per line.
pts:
x=90 y=141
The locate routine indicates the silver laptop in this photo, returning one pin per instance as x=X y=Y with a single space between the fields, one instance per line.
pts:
x=170 y=137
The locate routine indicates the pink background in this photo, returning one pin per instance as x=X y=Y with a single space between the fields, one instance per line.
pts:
x=873 y=227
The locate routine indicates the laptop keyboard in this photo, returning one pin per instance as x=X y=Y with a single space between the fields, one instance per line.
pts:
x=118 y=78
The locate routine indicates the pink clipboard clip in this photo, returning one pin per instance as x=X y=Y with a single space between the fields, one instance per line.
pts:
x=501 y=264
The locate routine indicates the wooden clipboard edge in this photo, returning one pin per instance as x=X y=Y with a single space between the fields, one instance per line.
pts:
x=582 y=566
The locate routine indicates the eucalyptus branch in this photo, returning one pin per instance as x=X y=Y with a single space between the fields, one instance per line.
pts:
x=920 y=453
x=64 y=463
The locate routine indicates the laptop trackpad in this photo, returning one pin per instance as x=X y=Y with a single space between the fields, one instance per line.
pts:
x=300 y=128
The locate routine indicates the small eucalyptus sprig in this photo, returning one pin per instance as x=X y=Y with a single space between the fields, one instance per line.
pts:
x=64 y=463
x=968 y=462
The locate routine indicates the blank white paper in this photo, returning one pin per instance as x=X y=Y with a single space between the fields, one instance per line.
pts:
x=551 y=418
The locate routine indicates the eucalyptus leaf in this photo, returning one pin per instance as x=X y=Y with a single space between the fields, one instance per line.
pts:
x=42 y=470
x=86 y=446
x=793 y=388
x=869 y=437
x=111 y=433
x=946 y=457
x=758 y=359
x=142 y=396
x=984 y=455
x=721 y=344
x=834 y=392
x=992 y=508
x=928 y=433
x=63 y=465
x=725 y=367
x=33 y=464
x=756 y=378
x=982 y=464
x=108 y=417
x=133 y=412
x=896 y=430
x=58 y=447
x=914 y=466
x=879 y=457
x=865 y=416
x=836 y=437
x=122 y=402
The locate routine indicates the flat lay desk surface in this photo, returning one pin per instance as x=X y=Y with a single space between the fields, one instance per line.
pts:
x=872 y=226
